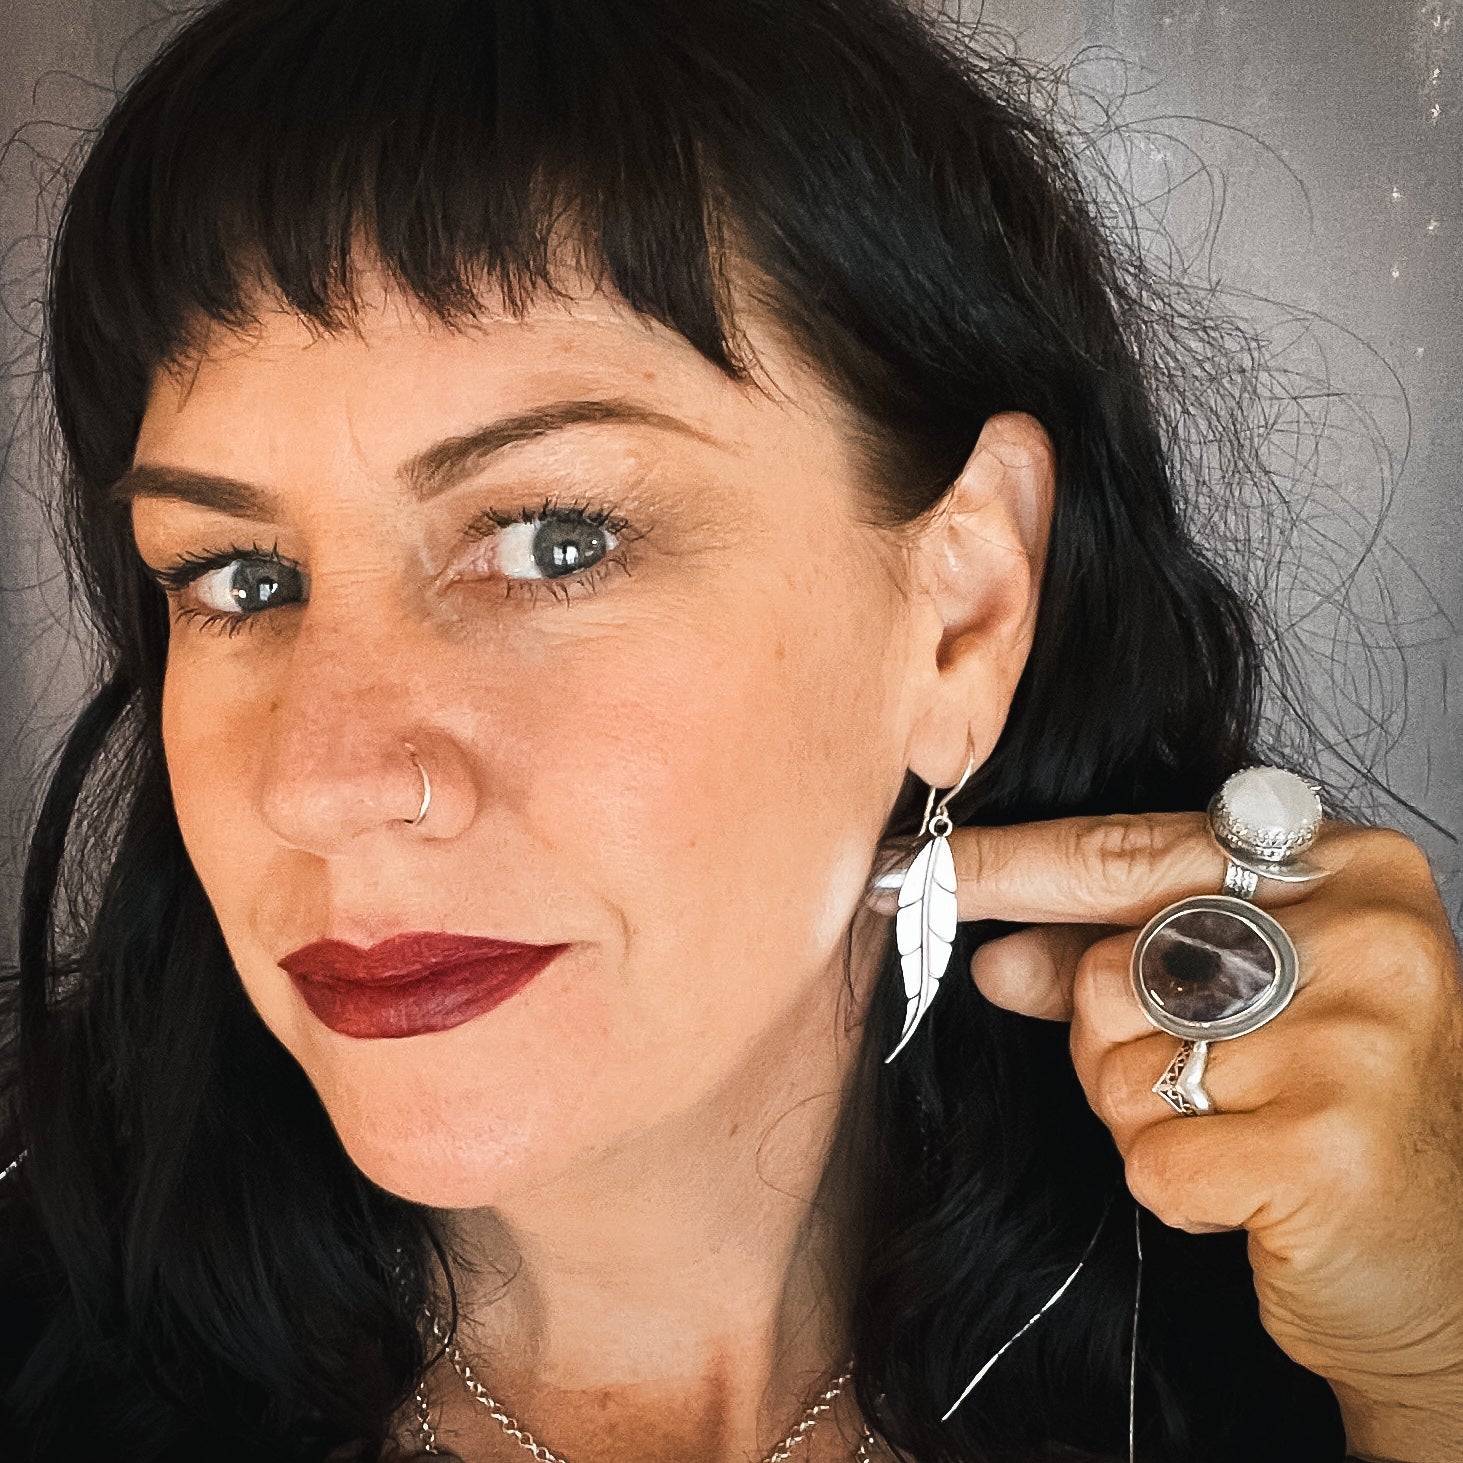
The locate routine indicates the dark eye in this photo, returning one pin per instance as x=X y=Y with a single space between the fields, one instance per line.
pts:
x=243 y=587
x=552 y=548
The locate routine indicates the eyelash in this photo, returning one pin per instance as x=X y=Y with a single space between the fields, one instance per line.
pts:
x=188 y=567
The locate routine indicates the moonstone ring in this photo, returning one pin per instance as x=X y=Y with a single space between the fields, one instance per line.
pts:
x=1215 y=966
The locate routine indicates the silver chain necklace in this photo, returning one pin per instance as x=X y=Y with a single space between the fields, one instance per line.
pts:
x=785 y=1448
x=780 y=1454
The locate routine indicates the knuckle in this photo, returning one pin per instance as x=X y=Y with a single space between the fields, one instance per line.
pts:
x=1377 y=1053
x=1120 y=854
x=1385 y=853
x=1413 y=954
x=1093 y=977
x=1354 y=1158
x=1397 y=853
x=984 y=855
x=1357 y=931
x=1424 y=964
x=1343 y=1058
x=1120 y=1088
x=1148 y=1172
x=1390 y=931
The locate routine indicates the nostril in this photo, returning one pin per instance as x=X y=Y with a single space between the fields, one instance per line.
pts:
x=322 y=784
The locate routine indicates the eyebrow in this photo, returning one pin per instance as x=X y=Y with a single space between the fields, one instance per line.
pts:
x=432 y=471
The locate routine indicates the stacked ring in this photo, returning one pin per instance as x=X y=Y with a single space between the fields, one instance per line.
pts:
x=1215 y=966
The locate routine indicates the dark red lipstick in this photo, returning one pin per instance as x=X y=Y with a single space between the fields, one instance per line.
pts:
x=412 y=983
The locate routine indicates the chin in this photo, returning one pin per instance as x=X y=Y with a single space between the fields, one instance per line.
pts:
x=439 y=1151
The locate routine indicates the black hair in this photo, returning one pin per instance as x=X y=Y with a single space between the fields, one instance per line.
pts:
x=191 y=1266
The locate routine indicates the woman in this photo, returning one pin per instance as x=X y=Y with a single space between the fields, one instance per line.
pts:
x=573 y=494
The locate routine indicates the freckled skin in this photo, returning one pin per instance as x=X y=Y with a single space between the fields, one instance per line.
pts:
x=684 y=773
x=579 y=751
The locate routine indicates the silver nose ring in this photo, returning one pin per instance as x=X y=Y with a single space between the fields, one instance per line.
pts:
x=426 y=790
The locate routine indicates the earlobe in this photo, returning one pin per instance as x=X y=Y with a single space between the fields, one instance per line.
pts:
x=984 y=556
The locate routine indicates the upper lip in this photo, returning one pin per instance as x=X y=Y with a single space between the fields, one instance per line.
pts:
x=407 y=956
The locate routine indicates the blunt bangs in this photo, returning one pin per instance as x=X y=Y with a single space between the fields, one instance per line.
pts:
x=272 y=144
x=273 y=147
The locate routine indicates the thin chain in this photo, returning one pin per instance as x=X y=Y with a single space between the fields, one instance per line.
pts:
x=1133 y=1355
x=526 y=1440
x=785 y=1449
x=523 y=1438
x=782 y=1451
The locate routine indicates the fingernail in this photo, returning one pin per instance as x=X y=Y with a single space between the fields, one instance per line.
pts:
x=891 y=863
x=883 y=901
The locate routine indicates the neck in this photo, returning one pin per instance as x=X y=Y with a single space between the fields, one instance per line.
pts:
x=683 y=1295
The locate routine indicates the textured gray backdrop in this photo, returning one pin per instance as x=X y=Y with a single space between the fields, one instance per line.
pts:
x=1304 y=162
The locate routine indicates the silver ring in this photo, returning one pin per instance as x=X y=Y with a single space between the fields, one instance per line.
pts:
x=426 y=790
x=1182 y=1083
x=1240 y=881
x=1215 y=966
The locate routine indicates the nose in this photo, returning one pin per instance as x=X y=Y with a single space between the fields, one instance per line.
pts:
x=352 y=748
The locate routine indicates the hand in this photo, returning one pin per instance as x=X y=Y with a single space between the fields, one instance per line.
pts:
x=1338 y=1140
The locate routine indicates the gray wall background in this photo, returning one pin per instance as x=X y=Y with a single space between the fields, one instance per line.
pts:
x=1303 y=162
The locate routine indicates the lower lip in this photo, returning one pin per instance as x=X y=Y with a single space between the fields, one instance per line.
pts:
x=435 y=1001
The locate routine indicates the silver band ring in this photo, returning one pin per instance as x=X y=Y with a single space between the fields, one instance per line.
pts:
x=1182 y=1083
x=1216 y=966
x=1240 y=881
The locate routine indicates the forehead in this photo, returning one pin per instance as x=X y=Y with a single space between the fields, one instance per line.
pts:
x=393 y=355
x=394 y=375
x=286 y=404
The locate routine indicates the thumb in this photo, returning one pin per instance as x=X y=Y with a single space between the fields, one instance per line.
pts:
x=1032 y=972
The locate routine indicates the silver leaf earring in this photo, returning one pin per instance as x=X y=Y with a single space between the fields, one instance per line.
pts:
x=924 y=927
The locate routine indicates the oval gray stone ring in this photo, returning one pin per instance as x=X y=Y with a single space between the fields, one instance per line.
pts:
x=1216 y=966
x=1213 y=967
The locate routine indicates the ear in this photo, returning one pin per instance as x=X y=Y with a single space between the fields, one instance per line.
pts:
x=978 y=564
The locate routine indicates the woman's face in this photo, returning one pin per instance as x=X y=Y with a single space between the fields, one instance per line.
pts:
x=677 y=761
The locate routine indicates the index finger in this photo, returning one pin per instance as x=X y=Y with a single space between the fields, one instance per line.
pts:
x=1112 y=869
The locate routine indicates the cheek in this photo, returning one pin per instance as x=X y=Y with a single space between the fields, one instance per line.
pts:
x=676 y=800
x=746 y=768
x=701 y=791
x=206 y=741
